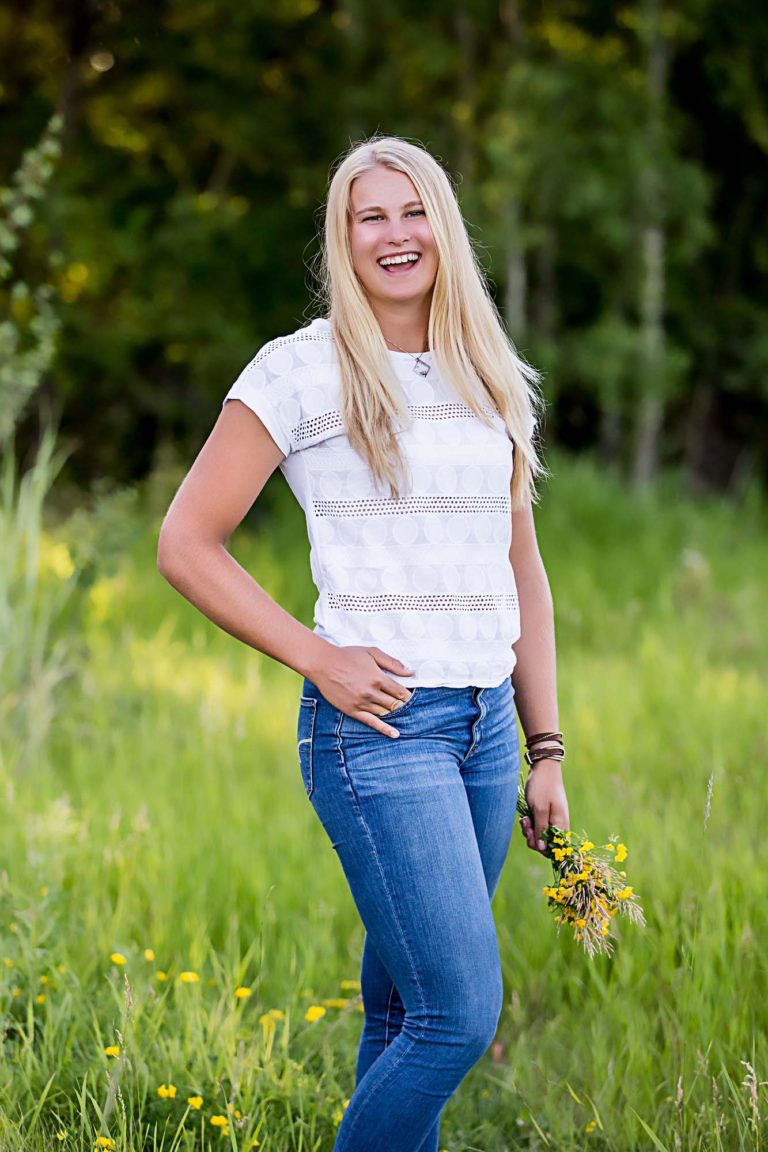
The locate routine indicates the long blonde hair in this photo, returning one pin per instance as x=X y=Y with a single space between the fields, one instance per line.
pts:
x=466 y=334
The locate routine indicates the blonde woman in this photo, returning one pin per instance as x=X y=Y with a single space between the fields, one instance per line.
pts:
x=403 y=422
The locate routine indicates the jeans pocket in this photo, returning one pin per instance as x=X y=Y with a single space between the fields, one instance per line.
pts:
x=400 y=708
x=305 y=738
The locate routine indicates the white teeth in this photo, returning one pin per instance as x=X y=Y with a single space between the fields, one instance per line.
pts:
x=410 y=258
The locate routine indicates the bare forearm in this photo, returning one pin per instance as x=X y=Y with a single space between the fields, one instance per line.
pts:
x=534 y=676
x=210 y=578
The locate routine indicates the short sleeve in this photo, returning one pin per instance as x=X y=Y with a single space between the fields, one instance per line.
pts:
x=266 y=386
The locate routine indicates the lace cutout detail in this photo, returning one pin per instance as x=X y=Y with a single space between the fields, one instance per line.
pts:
x=411 y=505
x=443 y=603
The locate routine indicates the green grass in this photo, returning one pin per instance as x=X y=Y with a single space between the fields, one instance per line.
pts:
x=163 y=809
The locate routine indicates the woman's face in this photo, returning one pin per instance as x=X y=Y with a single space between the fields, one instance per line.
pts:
x=388 y=219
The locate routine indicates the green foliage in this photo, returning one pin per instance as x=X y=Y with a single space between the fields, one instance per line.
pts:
x=198 y=151
x=30 y=325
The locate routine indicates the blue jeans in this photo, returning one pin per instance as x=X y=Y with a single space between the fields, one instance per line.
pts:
x=422 y=825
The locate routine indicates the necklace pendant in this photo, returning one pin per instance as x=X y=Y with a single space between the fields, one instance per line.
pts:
x=420 y=367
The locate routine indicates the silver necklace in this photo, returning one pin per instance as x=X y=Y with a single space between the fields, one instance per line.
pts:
x=419 y=365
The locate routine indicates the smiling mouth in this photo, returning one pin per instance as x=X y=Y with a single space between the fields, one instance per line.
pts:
x=402 y=266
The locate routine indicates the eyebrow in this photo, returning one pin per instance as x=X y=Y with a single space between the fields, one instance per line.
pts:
x=378 y=208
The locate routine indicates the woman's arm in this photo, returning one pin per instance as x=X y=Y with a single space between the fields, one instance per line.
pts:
x=229 y=473
x=535 y=675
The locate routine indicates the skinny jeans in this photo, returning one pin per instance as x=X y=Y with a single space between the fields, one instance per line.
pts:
x=422 y=826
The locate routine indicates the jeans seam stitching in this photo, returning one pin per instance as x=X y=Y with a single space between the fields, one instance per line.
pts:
x=311 y=741
x=389 y=1009
x=476 y=735
x=411 y=1040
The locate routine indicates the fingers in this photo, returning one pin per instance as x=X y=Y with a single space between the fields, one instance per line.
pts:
x=533 y=832
x=390 y=663
x=374 y=722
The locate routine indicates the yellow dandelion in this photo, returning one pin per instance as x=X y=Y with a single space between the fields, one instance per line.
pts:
x=220 y=1121
x=104 y=1142
x=242 y=993
x=149 y=954
x=314 y=1012
x=112 y=1050
x=40 y=998
x=160 y=975
x=195 y=1102
x=118 y=958
x=189 y=978
x=167 y=1091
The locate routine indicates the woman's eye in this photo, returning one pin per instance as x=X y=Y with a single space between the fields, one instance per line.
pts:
x=413 y=212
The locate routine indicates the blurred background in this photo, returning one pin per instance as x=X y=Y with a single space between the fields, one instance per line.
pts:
x=610 y=161
x=179 y=950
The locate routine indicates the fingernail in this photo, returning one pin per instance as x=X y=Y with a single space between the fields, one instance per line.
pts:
x=540 y=845
x=394 y=733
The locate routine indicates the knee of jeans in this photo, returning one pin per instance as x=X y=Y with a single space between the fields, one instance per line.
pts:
x=472 y=1017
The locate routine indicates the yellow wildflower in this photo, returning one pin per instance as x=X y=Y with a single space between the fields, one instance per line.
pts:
x=590 y=1127
x=167 y=1091
x=149 y=954
x=276 y=1013
x=581 y=922
x=104 y=1142
x=220 y=1121
x=43 y=979
x=242 y=993
x=587 y=846
x=61 y=1135
x=189 y=978
x=621 y=853
x=7 y=961
x=195 y=1102
x=40 y=998
x=314 y=1012
x=160 y=975
x=350 y=984
x=112 y=1050
x=118 y=958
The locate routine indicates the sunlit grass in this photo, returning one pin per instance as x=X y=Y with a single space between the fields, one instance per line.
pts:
x=163 y=816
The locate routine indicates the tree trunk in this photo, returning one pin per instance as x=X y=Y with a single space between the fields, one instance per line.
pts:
x=653 y=244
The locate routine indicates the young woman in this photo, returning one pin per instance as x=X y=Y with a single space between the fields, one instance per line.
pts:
x=403 y=423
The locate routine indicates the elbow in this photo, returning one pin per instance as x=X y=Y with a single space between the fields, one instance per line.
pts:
x=170 y=553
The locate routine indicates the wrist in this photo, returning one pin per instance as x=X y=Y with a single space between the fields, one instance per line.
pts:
x=313 y=656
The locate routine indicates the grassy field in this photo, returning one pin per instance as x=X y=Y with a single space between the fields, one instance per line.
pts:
x=159 y=854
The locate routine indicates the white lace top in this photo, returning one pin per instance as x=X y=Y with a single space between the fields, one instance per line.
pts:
x=426 y=578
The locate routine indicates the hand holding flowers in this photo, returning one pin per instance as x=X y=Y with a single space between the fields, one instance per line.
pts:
x=588 y=889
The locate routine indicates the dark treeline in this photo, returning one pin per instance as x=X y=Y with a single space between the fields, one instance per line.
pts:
x=611 y=161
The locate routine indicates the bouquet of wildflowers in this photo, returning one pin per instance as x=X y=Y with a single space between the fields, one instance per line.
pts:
x=589 y=890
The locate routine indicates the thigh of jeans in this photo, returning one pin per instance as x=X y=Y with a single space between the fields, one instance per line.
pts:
x=398 y=814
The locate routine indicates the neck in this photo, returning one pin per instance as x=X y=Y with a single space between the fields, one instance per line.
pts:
x=407 y=329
